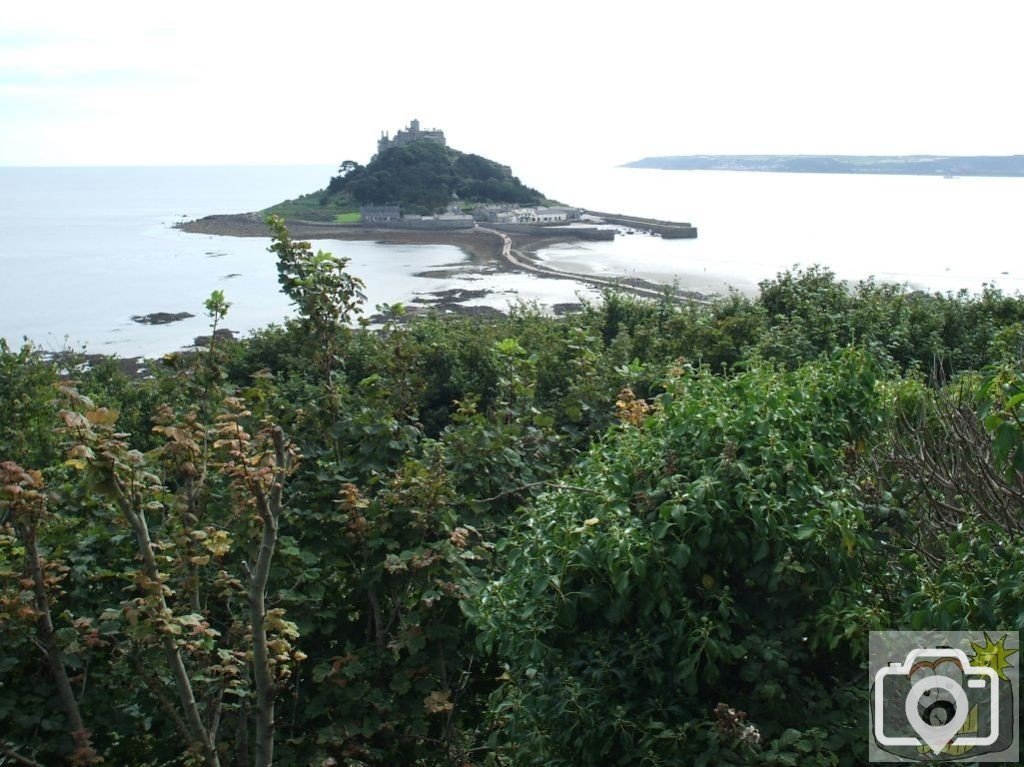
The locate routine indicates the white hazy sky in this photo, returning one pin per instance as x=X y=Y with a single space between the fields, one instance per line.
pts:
x=522 y=82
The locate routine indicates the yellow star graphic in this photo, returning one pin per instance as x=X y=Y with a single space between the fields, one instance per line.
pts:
x=993 y=655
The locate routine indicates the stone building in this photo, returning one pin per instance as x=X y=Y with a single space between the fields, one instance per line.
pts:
x=376 y=213
x=410 y=134
x=571 y=214
x=546 y=215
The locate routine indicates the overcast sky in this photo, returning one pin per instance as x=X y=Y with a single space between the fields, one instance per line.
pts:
x=522 y=82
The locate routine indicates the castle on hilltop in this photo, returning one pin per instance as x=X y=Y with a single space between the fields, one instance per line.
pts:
x=410 y=134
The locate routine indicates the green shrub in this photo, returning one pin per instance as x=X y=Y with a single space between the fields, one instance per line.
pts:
x=713 y=552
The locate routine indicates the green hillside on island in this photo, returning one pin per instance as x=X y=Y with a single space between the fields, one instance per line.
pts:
x=422 y=176
x=908 y=165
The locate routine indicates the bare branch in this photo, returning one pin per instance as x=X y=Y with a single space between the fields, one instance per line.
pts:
x=19 y=758
x=197 y=730
x=54 y=656
x=946 y=453
x=217 y=708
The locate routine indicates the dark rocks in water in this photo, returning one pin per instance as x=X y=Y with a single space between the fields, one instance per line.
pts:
x=443 y=302
x=473 y=311
x=222 y=334
x=72 y=364
x=454 y=295
x=161 y=318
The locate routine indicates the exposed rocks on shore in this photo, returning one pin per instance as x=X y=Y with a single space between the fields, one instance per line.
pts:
x=221 y=334
x=161 y=318
x=483 y=246
x=454 y=294
x=71 y=364
x=487 y=251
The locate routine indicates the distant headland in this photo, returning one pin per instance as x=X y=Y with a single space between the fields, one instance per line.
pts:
x=906 y=165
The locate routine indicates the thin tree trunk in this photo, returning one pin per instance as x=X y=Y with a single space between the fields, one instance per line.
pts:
x=181 y=680
x=84 y=752
x=269 y=508
x=156 y=689
x=188 y=518
x=262 y=674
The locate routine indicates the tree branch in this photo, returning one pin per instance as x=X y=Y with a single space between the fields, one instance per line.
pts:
x=55 y=658
x=20 y=759
x=269 y=509
x=155 y=688
x=197 y=730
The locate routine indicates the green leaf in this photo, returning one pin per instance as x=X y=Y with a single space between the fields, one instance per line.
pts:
x=680 y=555
x=660 y=528
x=804 y=532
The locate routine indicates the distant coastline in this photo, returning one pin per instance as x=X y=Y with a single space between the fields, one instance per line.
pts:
x=904 y=165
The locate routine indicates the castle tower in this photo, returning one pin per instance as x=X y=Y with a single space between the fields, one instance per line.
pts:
x=407 y=135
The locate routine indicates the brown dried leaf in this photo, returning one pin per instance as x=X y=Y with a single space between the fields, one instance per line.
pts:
x=102 y=416
x=438 y=702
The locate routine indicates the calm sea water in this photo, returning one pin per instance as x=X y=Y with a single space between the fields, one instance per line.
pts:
x=937 y=234
x=83 y=250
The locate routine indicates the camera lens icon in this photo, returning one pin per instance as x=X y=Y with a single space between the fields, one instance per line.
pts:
x=942 y=718
x=935 y=704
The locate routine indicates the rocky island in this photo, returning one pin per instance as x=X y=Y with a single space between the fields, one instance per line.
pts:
x=418 y=190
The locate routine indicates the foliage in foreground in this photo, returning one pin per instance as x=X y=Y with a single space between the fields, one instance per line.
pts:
x=710 y=552
x=641 y=534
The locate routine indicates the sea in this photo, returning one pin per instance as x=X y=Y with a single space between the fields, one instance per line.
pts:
x=83 y=251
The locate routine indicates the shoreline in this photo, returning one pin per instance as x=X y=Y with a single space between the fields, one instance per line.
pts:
x=251 y=225
x=488 y=250
x=504 y=251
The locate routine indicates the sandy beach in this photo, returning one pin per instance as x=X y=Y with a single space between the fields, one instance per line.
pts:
x=480 y=246
x=485 y=247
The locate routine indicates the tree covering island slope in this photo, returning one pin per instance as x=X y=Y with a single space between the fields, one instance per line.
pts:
x=422 y=177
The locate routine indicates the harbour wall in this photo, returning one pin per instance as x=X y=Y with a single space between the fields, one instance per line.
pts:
x=431 y=224
x=537 y=230
x=667 y=229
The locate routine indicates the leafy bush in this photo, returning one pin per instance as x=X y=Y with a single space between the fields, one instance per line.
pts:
x=710 y=552
x=514 y=540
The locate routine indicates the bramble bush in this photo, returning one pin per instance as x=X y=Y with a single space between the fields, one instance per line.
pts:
x=644 y=533
x=710 y=552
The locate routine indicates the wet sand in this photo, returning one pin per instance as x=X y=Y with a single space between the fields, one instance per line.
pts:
x=483 y=246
